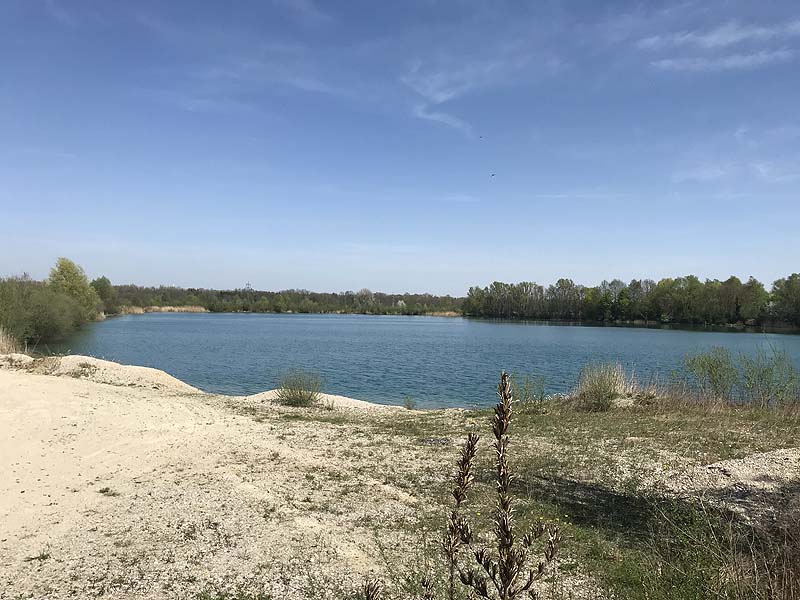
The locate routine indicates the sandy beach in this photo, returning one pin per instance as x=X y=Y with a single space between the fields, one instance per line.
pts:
x=142 y=486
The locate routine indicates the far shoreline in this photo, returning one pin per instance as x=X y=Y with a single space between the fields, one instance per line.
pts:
x=780 y=329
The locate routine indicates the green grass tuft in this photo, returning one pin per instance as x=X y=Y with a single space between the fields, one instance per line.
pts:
x=299 y=388
x=599 y=385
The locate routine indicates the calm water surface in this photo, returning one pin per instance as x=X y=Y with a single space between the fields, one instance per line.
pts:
x=436 y=361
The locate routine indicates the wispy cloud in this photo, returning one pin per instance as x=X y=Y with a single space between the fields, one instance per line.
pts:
x=231 y=69
x=56 y=10
x=422 y=111
x=725 y=35
x=460 y=199
x=702 y=173
x=446 y=78
x=724 y=63
x=306 y=11
x=195 y=100
x=42 y=153
x=777 y=172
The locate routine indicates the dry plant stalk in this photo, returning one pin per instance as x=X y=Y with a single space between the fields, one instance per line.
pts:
x=506 y=573
x=458 y=529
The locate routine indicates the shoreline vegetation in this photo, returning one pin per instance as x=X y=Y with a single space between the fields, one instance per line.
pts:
x=660 y=496
x=140 y=310
x=681 y=301
x=41 y=311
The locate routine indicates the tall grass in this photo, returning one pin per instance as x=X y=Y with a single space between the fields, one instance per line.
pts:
x=600 y=384
x=8 y=345
x=768 y=379
x=299 y=388
x=701 y=552
x=529 y=390
x=714 y=373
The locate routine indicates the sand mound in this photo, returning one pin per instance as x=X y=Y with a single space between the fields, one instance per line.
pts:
x=331 y=400
x=15 y=360
x=751 y=486
x=99 y=371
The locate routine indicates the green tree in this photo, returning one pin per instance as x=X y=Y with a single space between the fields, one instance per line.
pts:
x=754 y=300
x=730 y=299
x=786 y=298
x=68 y=278
x=107 y=294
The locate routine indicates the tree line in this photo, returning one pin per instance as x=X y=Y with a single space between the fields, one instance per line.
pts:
x=296 y=301
x=39 y=311
x=684 y=300
x=33 y=311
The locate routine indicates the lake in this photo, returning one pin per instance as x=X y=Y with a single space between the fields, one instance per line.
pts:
x=436 y=361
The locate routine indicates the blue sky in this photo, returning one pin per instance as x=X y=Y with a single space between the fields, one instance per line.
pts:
x=341 y=145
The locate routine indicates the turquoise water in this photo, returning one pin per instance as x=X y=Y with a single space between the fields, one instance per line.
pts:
x=436 y=361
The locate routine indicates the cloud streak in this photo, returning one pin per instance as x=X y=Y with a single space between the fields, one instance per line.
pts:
x=422 y=111
x=725 y=35
x=724 y=63
x=57 y=11
x=777 y=172
x=306 y=11
x=702 y=173
x=449 y=76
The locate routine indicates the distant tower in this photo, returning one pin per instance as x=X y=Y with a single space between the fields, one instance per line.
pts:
x=248 y=287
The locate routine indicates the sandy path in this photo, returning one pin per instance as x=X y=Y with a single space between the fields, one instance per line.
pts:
x=195 y=495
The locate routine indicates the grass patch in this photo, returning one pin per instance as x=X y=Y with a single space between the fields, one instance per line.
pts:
x=767 y=379
x=529 y=391
x=299 y=388
x=623 y=539
x=695 y=551
x=599 y=385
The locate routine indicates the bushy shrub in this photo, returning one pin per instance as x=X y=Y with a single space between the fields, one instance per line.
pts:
x=599 y=385
x=299 y=388
x=714 y=373
x=769 y=379
x=52 y=315
x=31 y=311
x=35 y=311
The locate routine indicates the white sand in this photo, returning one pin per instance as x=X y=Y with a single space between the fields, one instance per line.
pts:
x=199 y=496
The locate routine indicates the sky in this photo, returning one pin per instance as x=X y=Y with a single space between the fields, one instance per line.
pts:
x=413 y=146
